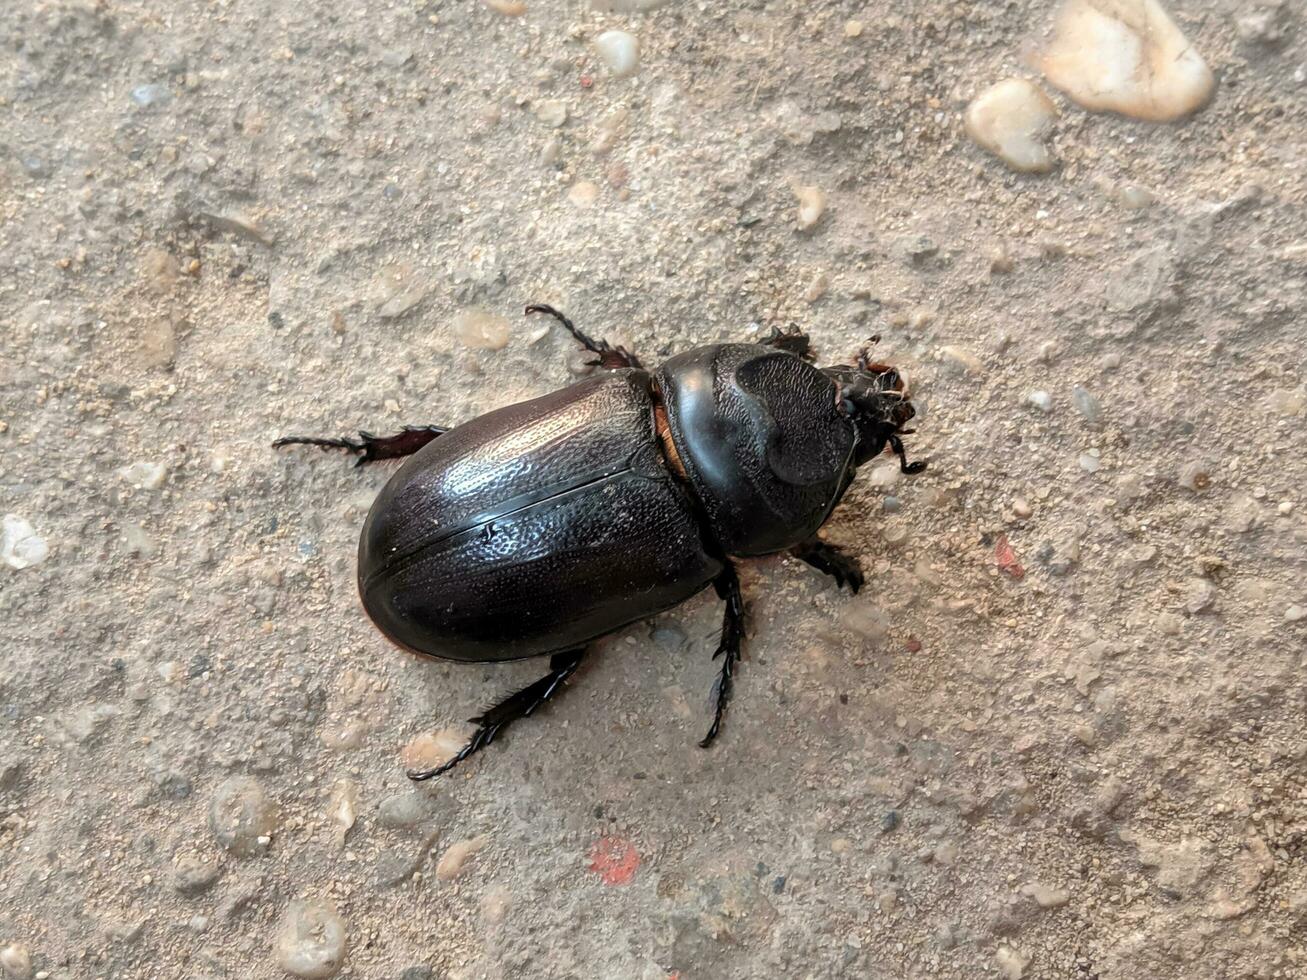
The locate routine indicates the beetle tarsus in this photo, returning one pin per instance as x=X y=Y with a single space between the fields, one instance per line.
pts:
x=518 y=705
x=610 y=357
x=370 y=448
x=827 y=558
x=791 y=339
x=728 y=587
x=909 y=468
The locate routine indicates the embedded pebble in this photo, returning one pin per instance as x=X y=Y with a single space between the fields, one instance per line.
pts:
x=583 y=194
x=242 y=817
x=191 y=876
x=151 y=95
x=1125 y=56
x=1288 y=402
x=1086 y=404
x=1089 y=461
x=456 y=857
x=20 y=545
x=891 y=505
x=1010 y=120
x=343 y=807
x=1201 y=595
x=311 y=940
x=895 y=534
x=431 y=750
x=1295 y=613
x=145 y=476
x=403 y=810
x=1021 y=508
x=1042 y=400
x=812 y=205
x=552 y=113
x=1011 y=963
x=1195 y=476
x=961 y=359
x=16 y=961
x=509 y=8
x=1045 y=896
x=620 y=51
x=479 y=330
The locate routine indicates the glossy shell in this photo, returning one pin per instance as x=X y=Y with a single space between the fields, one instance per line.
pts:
x=533 y=529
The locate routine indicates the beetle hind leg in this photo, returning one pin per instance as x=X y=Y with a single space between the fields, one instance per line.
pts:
x=728 y=587
x=827 y=558
x=518 y=705
x=610 y=357
x=369 y=448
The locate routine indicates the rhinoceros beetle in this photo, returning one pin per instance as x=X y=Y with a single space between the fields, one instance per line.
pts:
x=538 y=528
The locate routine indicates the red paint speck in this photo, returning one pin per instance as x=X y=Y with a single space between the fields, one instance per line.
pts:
x=1007 y=559
x=614 y=860
x=913 y=645
x=587 y=81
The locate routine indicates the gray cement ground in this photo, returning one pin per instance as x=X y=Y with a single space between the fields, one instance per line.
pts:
x=223 y=222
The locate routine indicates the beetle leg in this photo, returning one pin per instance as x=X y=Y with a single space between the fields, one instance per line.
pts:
x=610 y=357
x=728 y=587
x=370 y=448
x=519 y=705
x=792 y=339
x=896 y=444
x=844 y=569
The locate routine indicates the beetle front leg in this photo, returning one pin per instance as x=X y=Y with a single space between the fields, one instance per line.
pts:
x=827 y=558
x=610 y=357
x=496 y=718
x=792 y=339
x=728 y=587
x=370 y=448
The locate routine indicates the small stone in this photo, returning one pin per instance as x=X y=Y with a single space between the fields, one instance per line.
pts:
x=551 y=152
x=456 y=857
x=862 y=617
x=583 y=194
x=1260 y=26
x=20 y=545
x=1089 y=461
x=961 y=359
x=1295 y=613
x=812 y=205
x=343 y=807
x=1046 y=897
x=191 y=876
x=891 y=505
x=620 y=51
x=1011 y=963
x=241 y=814
x=1042 y=400
x=1010 y=120
x=480 y=330
x=16 y=961
x=1086 y=404
x=403 y=810
x=311 y=940
x=890 y=821
x=1287 y=402
x=432 y=750
x=853 y=28
x=145 y=476
x=508 y=8
x=552 y=113
x=1134 y=197
x=895 y=534
x=1125 y=56
x=153 y=94
x=1201 y=596
x=1195 y=476
x=1169 y=624
x=1021 y=508
x=419 y=972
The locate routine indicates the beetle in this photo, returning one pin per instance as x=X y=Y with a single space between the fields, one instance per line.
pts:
x=537 y=528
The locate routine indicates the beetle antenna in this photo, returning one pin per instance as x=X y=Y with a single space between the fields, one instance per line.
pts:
x=589 y=343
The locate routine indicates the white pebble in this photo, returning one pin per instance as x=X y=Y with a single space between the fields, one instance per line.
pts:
x=583 y=193
x=1011 y=963
x=480 y=330
x=1295 y=613
x=1125 y=56
x=552 y=113
x=1021 y=508
x=812 y=205
x=1089 y=462
x=1195 y=476
x=1010 y=119
x=620 y=52
x=20 y=545
x=16 y=961
x=311 y=941
x=145 y=476
x=1042 y=400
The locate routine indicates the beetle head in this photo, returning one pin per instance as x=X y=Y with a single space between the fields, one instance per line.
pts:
x=875 y=399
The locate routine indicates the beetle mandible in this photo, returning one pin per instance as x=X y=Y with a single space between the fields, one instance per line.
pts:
x=538 y=528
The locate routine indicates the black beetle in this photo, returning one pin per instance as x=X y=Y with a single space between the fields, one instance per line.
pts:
x=540 y=527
